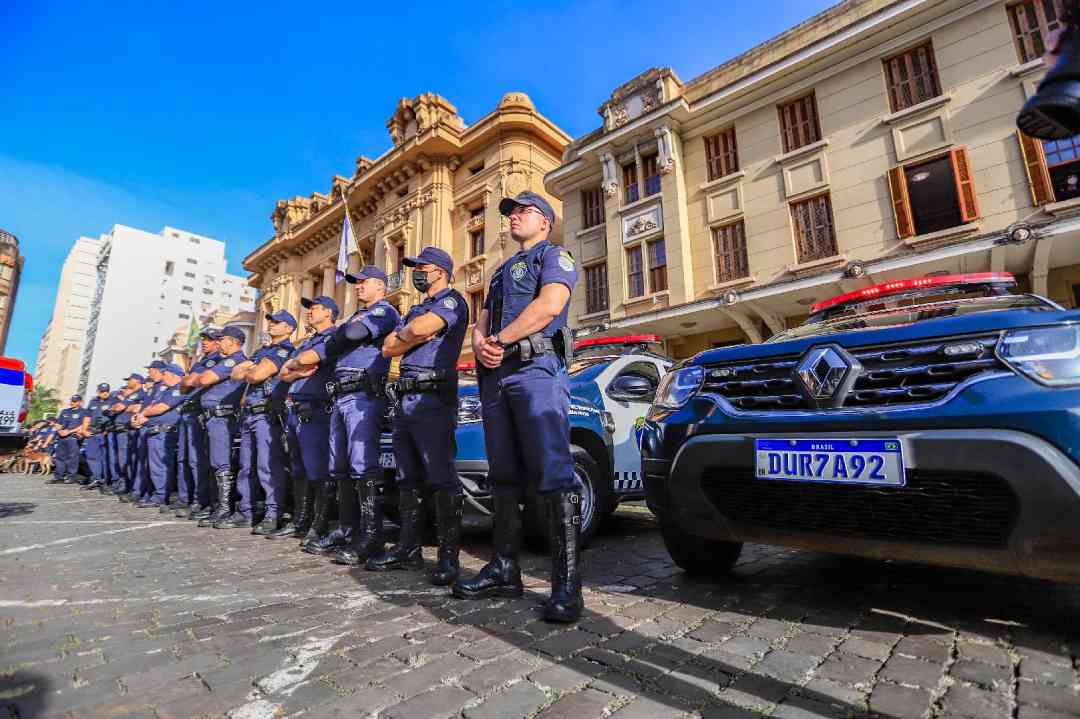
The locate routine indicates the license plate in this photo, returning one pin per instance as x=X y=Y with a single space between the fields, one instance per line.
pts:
x=386 y=460
x=840 y=461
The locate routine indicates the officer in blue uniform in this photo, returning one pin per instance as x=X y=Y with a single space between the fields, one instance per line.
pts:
x=94 y=445
x=359 y=405
x=108 y=442
x=303 y=492
x=221 y=404
x=428 y=340
x=72 y=423
x=522 y=344
x=193 y=473
x=125 y=409
x=309 y=401
x=159 y=417
x=262 y=450
x=142 y=489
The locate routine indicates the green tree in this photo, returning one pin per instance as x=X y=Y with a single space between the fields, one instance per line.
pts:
x=43 y=401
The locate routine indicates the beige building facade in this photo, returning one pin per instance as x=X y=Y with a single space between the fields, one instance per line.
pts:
x=11 y=266
x=873 y=142
x=60 y=350
x=439 y=184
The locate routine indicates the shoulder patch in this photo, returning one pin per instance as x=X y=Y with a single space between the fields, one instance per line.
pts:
x=283 y=353
x=210 y=363
x=449 y=303
x=566 y=261
x=230 y=363
x=176 y=393
x=517 y=270
x=379 y=311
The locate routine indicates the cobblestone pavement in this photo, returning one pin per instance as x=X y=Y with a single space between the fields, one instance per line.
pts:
x=111 y=611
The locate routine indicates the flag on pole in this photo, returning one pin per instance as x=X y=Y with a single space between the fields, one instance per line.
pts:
x=348 y=245
x=193 y=334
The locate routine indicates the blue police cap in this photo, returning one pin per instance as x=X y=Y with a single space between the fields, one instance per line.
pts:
x=211 y=334
x=527 y=199
x=156 y=364
x=103 y=387
x=283 y=316
x=367 y=272
x=235 y=332
x=432 y=256
x=135 y=375
x=324 y=301
x=76 y=398
x=173 y=368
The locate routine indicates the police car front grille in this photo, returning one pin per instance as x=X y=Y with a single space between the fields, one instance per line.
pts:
x=937 y=508
x=892 y=374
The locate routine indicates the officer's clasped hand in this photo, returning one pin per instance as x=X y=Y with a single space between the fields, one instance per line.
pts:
x=490 y=353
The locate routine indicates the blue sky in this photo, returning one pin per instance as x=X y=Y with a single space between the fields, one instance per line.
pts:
x=201 y=115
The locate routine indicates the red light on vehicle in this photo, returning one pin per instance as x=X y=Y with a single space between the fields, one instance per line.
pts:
x=465 y=366
x=899 y=286
x=10 y=363
x=28 y=381
x=624 y=340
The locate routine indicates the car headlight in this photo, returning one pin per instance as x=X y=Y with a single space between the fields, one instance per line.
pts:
x=676 y=388
x=468 y=409
x=1048 y=355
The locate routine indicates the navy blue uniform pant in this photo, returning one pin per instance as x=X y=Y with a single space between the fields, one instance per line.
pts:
x=95 y=456
x=161 y=459
x=120 y=459
x=313 y=438
x=526 y=408
x=219 y=437
x=140 y=467
x=66 y=457
x=425 y=446
x=292 y=445
x=262 y=463
x=355 y=430
x=195 y=469
x=108 y=443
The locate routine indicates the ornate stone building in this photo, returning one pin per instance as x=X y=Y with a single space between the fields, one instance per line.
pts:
x=11 y=266
x=439 y=184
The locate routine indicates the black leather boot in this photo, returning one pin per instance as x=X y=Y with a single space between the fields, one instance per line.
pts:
x=564 y=519
x=407 y=553
x=501 y=577
x=267 y=526
x=341 y=535
x=200 y=511
x=325 y=492
x=368 y=538
x=226 y=482
x=303 y=508
x=448 y=509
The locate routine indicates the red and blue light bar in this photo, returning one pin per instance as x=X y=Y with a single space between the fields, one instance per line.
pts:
x=898 y=287
x=12 y=371
x=623 y=341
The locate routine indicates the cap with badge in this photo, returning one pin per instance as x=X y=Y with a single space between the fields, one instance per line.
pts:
x=76 y=398
x=211 y=334
x=432 y=256
x=134 y=375
x=173 y=368
x=103 y=387
x=322 y=301
x=156 y=364
x=235 y=332
x=367 y=272
x=527 y=199
x=282 y=316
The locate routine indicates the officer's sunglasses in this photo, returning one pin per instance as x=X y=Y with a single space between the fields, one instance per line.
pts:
x=523 y=209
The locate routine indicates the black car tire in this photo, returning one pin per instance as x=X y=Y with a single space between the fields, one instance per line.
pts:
x=698 y=556
x=595 y=509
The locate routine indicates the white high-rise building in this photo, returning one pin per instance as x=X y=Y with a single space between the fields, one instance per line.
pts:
x=147 y=285
x=59 y=358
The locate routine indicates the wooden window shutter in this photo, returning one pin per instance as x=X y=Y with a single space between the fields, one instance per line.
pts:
x=1042 y=191
x=965 y=185
x=905 y=225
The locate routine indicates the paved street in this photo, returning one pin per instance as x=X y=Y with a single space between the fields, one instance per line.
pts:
x=112 y=611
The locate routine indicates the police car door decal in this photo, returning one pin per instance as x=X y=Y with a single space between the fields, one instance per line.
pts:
x=627 y=456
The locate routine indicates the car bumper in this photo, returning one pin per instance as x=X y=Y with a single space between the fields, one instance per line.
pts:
x=993 y=499
x=12 y=441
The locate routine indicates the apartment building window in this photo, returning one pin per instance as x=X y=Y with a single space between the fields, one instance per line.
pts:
x=596 y=288
x=650 y=170
x=721 y=156
x=476 y=243
x=476 y=304
x=933 y=195
x=189 y=275
x=635 y=272
x=592 y=208
x=912 y=77
x=169 y=268
x=1032 y=22
x=630 y=183
x=184 y=316
x=657 y=266
x=729 y=247
x=192 y=261
x=186 y=302
x=193 y=240
x=185 y=288
x=815 y=236
x=799 y=124
x=208 y=291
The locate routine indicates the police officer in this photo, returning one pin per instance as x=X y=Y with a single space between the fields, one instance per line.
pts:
x=72 y=423
x=309 y=402
x=262 y=451
x=159 y=417
x=521 y=342
x=142 y=489
x=193 y=473
x=428 y=340
x=125 y=409
x=302 y=492
x=359 y=405
x=221 y=403
x=108 y=442
x=94 y=445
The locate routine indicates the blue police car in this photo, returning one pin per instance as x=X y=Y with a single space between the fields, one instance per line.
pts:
x=612 y=383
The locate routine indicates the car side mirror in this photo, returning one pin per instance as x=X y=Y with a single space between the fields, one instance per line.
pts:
x=631 y=388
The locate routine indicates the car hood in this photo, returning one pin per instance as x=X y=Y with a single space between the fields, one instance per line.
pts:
x=923 y=329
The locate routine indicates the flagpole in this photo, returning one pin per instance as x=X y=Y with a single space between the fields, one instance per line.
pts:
x=348 y=218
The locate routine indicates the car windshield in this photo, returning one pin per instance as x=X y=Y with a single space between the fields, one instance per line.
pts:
x=893 y=316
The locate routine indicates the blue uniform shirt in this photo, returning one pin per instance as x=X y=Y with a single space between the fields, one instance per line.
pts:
x=72 y=418
x=194 y=397
x=518 y=281
x=227 y=391
x=97 y=408
x=124 y=418
x=380 y=318
x=267 y=390
x=172 y=397
x=444 y=349
x=313 y=388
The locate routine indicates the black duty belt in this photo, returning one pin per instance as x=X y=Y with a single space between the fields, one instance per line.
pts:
x=305 y=411
x=423 y=381
x=362 y=381
x=221 y=410
x=161 y=428
x=258 y=408
x=190 y=408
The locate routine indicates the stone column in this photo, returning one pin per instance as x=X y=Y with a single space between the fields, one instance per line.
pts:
x=308 y=289
x=327 y=280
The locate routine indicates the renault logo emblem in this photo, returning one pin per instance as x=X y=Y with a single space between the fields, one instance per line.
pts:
x=827 y=374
